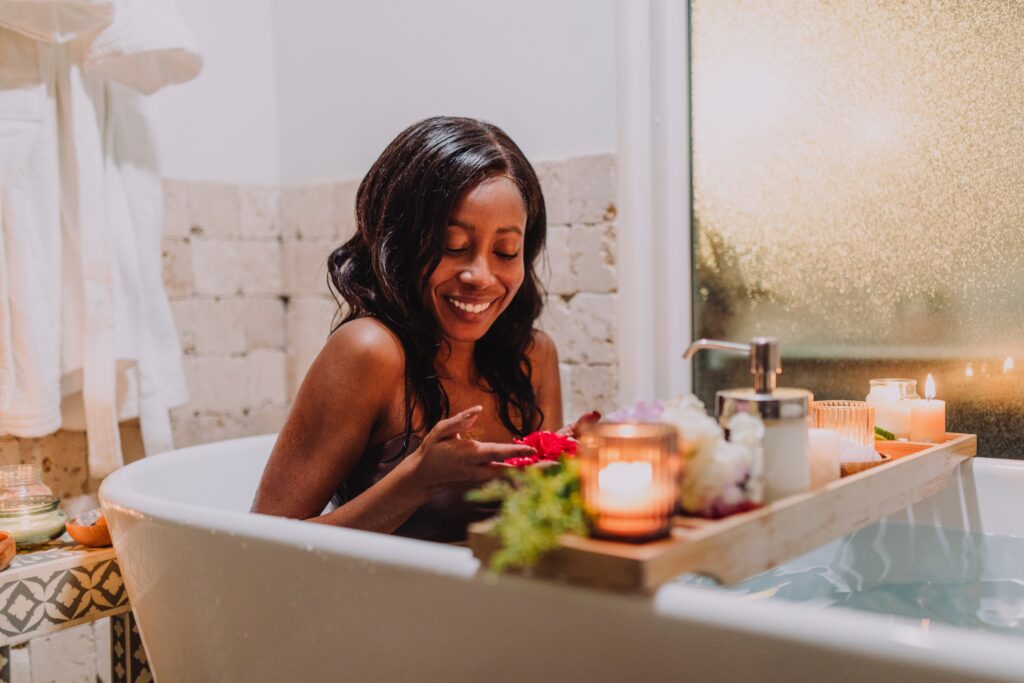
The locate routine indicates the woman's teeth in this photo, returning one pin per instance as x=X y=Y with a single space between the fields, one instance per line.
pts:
x=470 y=308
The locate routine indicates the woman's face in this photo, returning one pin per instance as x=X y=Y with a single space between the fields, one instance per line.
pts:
x=482 y=266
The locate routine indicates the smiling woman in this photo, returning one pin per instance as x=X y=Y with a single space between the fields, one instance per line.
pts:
x=437 y=343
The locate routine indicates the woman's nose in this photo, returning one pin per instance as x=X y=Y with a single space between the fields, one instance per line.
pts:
x=478 y=275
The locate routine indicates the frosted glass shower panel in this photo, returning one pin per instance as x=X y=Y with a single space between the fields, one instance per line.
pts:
x=858 y=172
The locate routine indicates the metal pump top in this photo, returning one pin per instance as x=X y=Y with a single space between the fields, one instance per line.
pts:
x=765 y=359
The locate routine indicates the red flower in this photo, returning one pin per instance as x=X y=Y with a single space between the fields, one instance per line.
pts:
x=549 y=446
x=522 y=461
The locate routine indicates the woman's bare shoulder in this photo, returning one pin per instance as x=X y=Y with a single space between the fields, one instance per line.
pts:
x=361 y=355
x=366 y=341
x=542 y=348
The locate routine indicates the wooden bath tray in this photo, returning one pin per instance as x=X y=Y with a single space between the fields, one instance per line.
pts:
x=746 y=544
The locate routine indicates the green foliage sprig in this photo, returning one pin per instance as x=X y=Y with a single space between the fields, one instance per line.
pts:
x=538 y=505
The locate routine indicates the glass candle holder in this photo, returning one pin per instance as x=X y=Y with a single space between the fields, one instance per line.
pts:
x=32 y=520
x=853 y=420
x=22 y=481
x=890 y=396
x=628 y=474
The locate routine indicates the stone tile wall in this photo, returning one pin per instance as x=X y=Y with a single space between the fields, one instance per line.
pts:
x=580 y=278
x=246 y=273
x=245 y=269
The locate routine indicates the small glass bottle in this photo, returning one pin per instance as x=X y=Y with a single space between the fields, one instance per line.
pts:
x=891 y=398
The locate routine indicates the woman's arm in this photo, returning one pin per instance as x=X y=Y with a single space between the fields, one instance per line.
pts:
x=345 y=395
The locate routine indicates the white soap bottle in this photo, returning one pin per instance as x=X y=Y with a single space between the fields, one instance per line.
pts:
x=787 y=453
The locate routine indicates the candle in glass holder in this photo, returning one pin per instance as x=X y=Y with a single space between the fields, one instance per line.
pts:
x=628 y=477
x=928 y=417
x=892 y=398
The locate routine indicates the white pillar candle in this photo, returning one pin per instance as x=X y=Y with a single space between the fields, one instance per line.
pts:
x=625 y=487
x=928 y=417
x=824 y=456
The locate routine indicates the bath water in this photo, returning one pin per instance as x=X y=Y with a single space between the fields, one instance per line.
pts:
x=916 y=571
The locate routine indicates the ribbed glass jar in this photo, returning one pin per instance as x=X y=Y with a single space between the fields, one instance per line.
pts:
x=629 y=478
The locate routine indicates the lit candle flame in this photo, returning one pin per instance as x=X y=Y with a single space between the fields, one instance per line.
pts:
x=1007 y=364
x=969 y=372
x=929 y=388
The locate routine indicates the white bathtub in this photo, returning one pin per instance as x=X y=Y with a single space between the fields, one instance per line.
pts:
x=224 y=595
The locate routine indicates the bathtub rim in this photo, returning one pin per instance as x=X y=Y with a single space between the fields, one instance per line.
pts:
x=867 y=634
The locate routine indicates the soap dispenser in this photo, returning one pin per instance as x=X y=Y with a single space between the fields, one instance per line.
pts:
x=787 y=460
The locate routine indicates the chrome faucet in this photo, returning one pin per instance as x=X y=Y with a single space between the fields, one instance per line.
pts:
x=765 y=360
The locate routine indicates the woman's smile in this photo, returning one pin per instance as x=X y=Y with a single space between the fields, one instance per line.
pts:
x=473 y=307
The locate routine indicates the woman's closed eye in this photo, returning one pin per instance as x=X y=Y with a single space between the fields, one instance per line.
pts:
x=506 y=256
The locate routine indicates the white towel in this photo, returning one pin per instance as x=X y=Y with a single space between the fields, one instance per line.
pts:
x=22 y=99
x=82 y=306
x=150 y=377
x=55 y=22
x=147 y=47
x=90 y=225
x=30 y=204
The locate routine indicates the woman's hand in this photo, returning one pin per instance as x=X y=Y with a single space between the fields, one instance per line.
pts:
x=446 y=461
x=575 y=428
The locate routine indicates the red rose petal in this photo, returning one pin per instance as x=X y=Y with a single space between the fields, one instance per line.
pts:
x=521 y=461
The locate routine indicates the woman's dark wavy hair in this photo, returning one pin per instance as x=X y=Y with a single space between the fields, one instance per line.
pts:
x=403 y=207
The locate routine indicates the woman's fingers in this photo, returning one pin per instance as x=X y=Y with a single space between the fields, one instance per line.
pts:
x=450 y=427
x=573 y=429
x=488 y=452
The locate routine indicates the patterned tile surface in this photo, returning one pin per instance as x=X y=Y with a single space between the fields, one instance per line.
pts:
x=128 y=662
x=58 y=585
x=61 y=584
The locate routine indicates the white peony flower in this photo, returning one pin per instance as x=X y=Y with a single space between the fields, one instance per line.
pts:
x=698 y=431
x=746 y=429
x=724 y=476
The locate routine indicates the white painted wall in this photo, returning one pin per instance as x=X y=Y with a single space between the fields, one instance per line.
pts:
x=301 y=89
x=223 y=125
x=353 y=73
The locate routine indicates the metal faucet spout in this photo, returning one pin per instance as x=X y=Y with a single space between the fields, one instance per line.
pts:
x=715 y=344
x=765 y=361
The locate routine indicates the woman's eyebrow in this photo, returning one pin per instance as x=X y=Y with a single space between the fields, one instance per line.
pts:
x=471 y=228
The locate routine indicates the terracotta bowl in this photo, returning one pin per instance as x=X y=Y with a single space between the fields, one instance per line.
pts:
x=93 y=535
x=8 y=549
x=848 y=468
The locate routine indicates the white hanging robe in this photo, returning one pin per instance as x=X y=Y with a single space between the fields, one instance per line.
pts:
x=30 y=272
x=119 y=356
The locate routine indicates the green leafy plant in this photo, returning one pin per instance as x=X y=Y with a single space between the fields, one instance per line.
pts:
x=538 y=505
